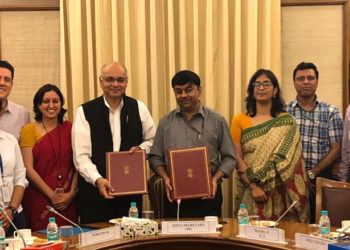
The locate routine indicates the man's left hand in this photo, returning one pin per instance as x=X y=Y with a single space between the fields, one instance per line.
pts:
x=214 y=184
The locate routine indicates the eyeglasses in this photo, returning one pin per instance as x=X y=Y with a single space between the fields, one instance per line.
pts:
x=302 y=78
x=110 y=79
x=264 y=84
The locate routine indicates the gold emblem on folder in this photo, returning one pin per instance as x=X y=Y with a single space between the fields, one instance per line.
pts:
x=126 y=170
x=190 y=173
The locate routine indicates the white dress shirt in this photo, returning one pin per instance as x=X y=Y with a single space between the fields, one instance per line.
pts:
x=14 y=171
x=81 y=140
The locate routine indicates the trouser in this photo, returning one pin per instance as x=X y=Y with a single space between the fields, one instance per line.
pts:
x=194 y=208
x=20 y=222
x=94 y=208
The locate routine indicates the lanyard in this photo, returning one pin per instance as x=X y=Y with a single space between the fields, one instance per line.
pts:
x=189 y=124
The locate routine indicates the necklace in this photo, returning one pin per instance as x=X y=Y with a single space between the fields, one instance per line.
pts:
x=58 y=156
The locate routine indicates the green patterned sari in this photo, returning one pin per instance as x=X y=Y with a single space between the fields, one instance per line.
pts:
x=273 y=154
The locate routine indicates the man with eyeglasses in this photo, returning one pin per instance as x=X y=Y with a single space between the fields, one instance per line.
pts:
x=320 y=125
x=111 y=122
x=12 y=116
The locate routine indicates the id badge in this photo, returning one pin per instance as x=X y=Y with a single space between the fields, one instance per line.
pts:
x=6 y=195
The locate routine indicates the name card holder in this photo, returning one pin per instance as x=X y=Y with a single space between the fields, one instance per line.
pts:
x=312 y=242
x=274 y=235
x=189 y=227
x=98 y=236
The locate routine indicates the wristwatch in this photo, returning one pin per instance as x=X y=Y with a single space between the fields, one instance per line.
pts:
x=311 y=174
x=13 y=210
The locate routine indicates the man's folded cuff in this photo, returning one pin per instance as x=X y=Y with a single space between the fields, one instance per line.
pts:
x=94 y=178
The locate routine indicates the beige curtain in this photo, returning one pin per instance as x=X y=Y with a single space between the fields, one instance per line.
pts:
x=224 y=41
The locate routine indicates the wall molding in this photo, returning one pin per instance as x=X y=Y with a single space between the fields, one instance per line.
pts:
x=29 y=5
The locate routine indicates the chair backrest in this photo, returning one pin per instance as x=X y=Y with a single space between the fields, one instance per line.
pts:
x=156 y=193
x=333 y=196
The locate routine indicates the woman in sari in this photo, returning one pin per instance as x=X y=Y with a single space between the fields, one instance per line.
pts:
x=271 y=170
x=47 y=155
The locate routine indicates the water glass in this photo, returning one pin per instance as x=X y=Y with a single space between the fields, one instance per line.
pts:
x=66 y=234
x=312 y=229
x=254 y=220
x=148 y=214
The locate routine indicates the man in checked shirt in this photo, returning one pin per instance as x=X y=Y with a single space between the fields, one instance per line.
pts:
x=320 y=125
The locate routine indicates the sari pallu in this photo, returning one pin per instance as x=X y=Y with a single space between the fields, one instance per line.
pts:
x=45 y=157
x=273 y=154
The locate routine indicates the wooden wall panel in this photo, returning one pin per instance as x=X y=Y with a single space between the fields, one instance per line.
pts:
x=30 y=41
x=314 y=34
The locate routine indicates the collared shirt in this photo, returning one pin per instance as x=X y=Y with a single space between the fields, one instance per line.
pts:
x=345 y=149
x=211 y=130
x=13 y=119
x=13 y=167
x=318 y=127
x=81 y=140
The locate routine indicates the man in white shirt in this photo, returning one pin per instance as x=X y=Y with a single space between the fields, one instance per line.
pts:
x=111 y=122
x=12 y=116
x=12 y=182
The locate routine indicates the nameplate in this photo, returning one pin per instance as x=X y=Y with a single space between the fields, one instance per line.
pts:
x=100 y=235
x=274 y=235
x=311 y=242
x=189 y=227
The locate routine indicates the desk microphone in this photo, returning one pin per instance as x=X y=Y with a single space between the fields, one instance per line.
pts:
x=52 y=210
x=18 y=233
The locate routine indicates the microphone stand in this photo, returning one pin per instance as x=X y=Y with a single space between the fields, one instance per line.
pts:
x=51 y=209
x=18 y=233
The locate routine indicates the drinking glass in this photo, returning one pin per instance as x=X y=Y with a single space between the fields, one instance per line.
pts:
x=66 y=234
x=148 y=214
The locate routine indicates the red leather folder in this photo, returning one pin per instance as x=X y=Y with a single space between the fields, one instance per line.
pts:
x=127 y=172
x=189 y=172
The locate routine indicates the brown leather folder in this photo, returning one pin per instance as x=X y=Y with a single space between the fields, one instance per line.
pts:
x=189 y=172
x=127 y=172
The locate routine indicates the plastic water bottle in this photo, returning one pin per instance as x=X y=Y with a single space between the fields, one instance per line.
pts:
x=324 y=224
x=52 y=229
x=242 y=215
x=2 y=234
x=133 y=212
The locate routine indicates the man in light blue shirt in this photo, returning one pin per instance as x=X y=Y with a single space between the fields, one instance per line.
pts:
x=12 y=116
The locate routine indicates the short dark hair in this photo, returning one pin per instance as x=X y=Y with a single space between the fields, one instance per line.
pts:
x=185 y=76
x=7 y=65
x=305 y=65
x=278 y=105
x=38 y=99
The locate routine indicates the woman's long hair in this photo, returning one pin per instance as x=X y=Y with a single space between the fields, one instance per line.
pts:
x=278 y=105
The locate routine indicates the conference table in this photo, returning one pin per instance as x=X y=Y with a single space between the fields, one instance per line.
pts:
x=225 y=239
